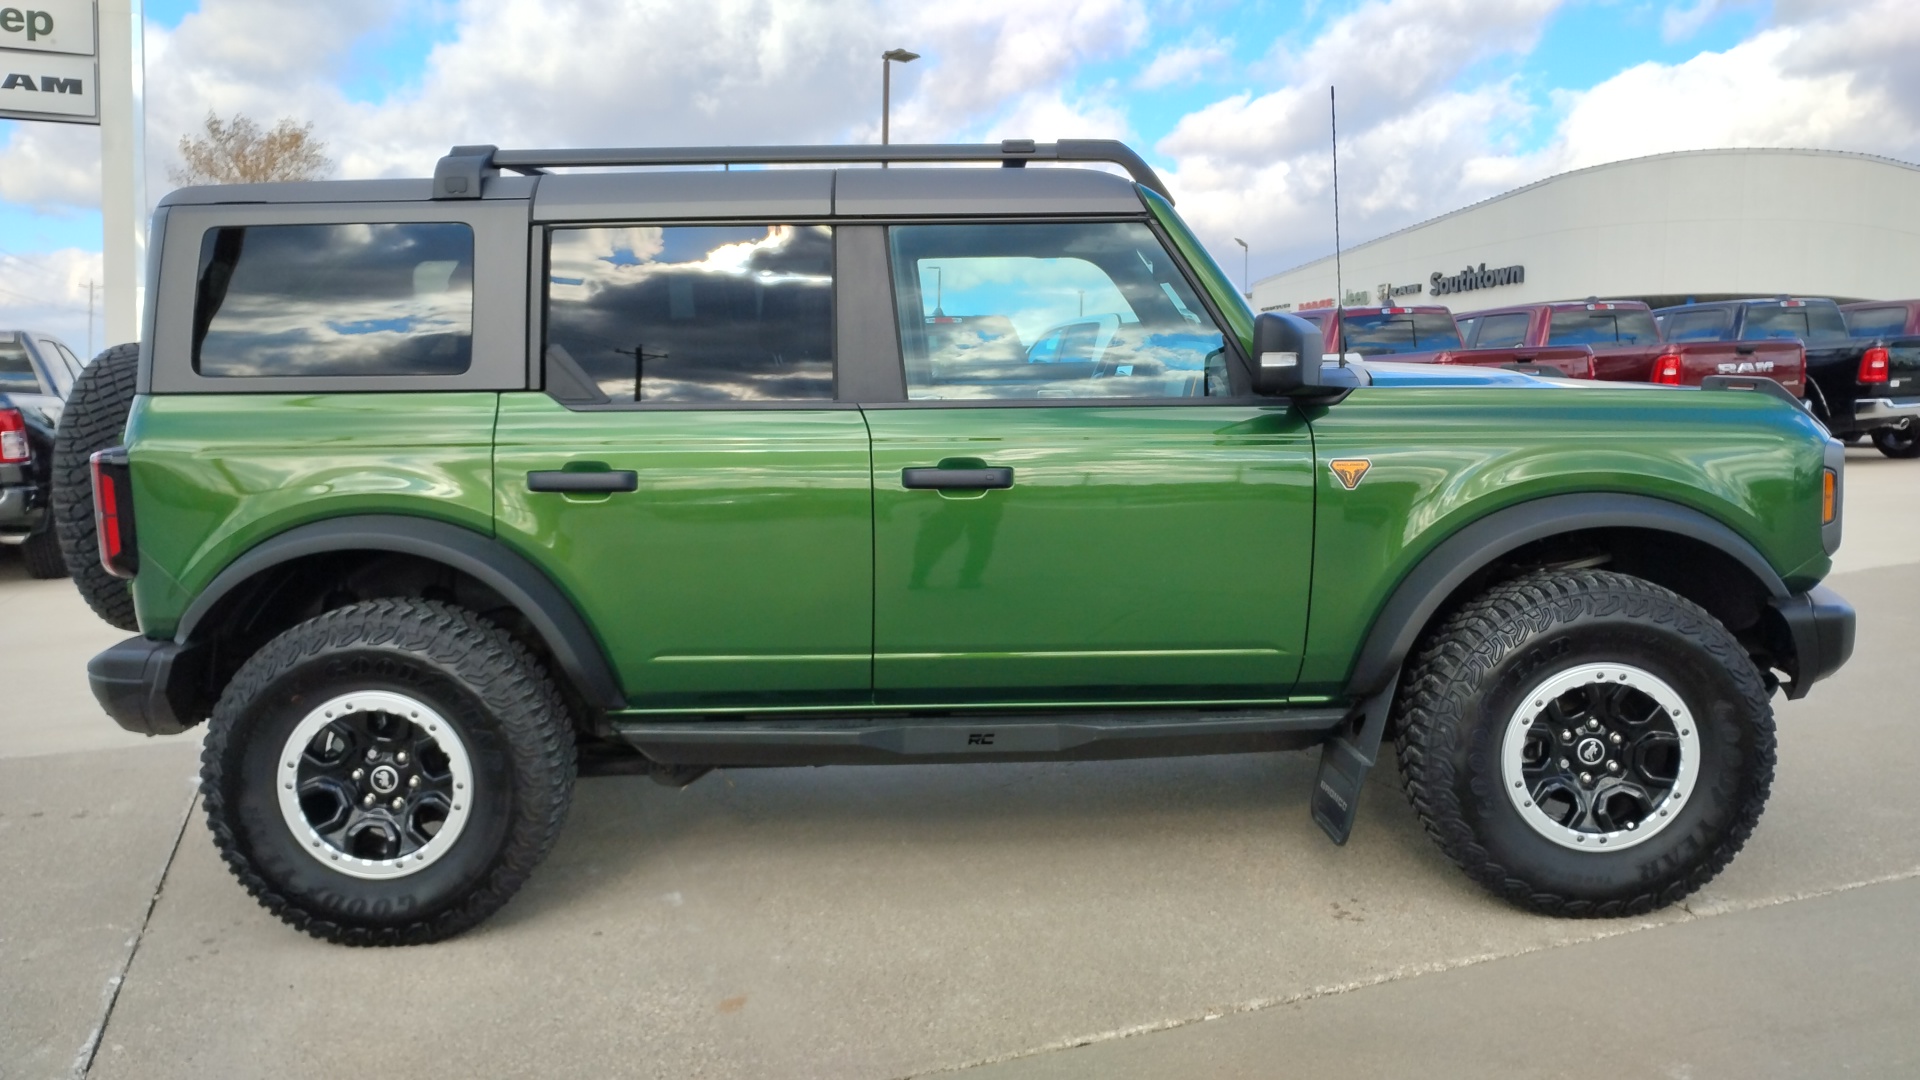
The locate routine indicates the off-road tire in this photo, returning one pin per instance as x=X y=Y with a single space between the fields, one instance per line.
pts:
x=1471 y=673
x=94 y=419
x=42 y=554
x=507 y=712
x=1897 y=442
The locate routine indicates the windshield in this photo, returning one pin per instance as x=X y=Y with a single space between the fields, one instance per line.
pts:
x=1385 y=335
x=1582 y=327
x=1816 y=322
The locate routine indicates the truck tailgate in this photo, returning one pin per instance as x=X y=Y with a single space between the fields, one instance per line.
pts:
x=1903 y=368
x=1785 y=362
x=1566 y=361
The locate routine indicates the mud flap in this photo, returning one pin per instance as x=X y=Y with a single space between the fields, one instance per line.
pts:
x=1344 y=762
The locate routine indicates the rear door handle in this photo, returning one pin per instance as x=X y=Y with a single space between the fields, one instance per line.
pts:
x=556 y=480
x=957 y=479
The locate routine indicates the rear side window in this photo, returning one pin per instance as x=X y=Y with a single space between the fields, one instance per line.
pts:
x=1503 y=331
x=358 y=300
x=1813 y=323
x=1876 y=322
x=51 y=352
x=689 y=314
x=16 y=370
x=1386 y=334
x=1709 y=325
x=1582 y=327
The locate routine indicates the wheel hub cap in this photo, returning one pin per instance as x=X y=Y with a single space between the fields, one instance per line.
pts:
x=375 y=784
x=1600 y=757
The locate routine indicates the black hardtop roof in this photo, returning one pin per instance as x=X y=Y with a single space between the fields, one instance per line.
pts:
x=664 y=184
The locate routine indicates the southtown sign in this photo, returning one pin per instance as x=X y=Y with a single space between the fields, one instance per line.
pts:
x=1475 y=278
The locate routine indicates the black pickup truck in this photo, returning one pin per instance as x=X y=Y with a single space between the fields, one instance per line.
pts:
x=36 y=374
x=1891 y=329
x=1853 y=383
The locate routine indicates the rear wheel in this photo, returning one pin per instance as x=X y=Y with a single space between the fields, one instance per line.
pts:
x=1897 y=442
x=95 y=418
x=388 y=773
x=42 y=554
x=1586 y=744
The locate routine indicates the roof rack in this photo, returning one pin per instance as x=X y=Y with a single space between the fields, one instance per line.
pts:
x=458 y=175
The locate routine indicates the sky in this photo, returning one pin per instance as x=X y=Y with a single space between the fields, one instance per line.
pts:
x=1442 y=102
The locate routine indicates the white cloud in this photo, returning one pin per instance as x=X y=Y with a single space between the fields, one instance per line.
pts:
x=47 y=291
x=1681 y=21
x=1186 y=62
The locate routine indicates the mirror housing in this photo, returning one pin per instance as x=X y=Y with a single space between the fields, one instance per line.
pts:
x=1286 y=355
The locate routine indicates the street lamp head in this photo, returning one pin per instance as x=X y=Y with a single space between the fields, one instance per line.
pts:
x=900 y=55
x=1239 y=241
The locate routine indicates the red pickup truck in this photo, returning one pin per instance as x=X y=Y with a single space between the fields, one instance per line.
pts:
x=1428 y=335
x=1626 y=346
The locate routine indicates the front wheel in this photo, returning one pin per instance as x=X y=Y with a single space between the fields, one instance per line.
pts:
x=388 y=773
x=1897 y=442
x=1586 y=743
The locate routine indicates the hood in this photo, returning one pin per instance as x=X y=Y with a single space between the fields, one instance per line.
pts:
x=1381 y=373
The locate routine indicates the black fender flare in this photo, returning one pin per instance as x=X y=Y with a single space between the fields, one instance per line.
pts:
x=1471 y=549
x=567 y=636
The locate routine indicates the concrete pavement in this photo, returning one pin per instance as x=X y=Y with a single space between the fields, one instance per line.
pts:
x=898 y=921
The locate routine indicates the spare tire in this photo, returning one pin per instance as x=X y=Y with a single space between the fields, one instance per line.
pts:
x=95 y=419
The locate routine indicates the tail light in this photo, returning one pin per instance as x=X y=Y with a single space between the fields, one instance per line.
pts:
x=13 y=438
x=1873 y=365
x=1666 y=369
x=113 y=512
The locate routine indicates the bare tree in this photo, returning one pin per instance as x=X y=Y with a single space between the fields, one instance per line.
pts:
x=236 y=151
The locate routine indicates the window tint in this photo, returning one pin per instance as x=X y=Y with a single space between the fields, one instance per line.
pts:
x=1503 y=331
x=1385 y=335
x=1466 y=326
x=1877 y=322
x=1050 y=311
x=1708 y=325
x=362 y=300
x=1582 y=327
x=695 y=313
x=16 y=370
x=1816 y=323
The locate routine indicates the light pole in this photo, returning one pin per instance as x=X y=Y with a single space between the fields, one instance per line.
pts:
x=1246 y=279
x=886 y=87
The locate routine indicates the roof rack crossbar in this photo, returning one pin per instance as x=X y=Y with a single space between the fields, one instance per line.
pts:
x=459 y=173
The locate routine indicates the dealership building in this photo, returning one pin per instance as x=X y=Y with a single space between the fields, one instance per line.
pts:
x=1701 y=225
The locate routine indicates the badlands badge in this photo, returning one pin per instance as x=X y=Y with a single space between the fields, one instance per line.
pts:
x=1349 y=471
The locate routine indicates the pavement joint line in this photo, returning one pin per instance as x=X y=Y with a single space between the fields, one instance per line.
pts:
x=1683 y=915
x=83 y=1061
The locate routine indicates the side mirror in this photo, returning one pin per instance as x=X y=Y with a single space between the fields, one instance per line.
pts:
x=1286 y=354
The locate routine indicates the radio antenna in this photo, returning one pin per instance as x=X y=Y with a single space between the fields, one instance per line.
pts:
x=1339 y=282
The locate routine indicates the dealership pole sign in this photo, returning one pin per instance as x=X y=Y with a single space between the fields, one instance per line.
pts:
x=49 y=61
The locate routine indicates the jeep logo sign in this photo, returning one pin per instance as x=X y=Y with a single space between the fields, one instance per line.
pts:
x=47 y=68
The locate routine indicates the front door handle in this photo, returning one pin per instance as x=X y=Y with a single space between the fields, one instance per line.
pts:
x=985 y=479
x=591 y=482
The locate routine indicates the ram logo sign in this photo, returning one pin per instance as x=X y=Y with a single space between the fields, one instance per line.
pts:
x=1745 y=367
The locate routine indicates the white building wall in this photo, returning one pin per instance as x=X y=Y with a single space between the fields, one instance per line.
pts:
x=1702 y=223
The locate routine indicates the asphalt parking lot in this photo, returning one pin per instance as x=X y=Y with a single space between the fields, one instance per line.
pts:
x=1150 y=919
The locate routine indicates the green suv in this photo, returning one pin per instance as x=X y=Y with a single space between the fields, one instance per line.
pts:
x=448 y=489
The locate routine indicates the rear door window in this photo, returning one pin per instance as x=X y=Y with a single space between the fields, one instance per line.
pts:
x=1708 y=325
x=1816 y=323
x=360 y=299
x=1385 y=334
x=690 y=314
x=1503 y=331
x=1876 y=322
x=1095 y=311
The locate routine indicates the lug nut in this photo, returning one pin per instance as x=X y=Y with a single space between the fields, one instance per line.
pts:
x=1565 y=764
x=1614 y=738
x=359 y=774
x=1613 y=766
x=401 y=757
x=1586 y=778
x=413 y=781
x=1566 y=736
x=373 y=755
x=368 y=801
x=1593 y=725
x=398 y=803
